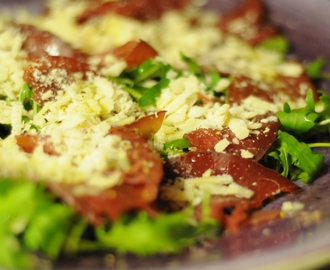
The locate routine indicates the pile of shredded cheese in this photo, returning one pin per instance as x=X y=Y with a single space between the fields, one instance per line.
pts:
x=82 y=113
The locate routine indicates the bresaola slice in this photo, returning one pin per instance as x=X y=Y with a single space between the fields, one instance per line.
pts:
x=248 y=23
x=232 y=211
x=294 y=88
x=255 y=145
x=143 y=10
x=46 y=75
x=148 y=126
x=40 y=43
x=137 y=190
x=134 y=53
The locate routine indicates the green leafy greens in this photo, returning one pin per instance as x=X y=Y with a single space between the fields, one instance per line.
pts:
x=168 y=233
x=314 y=69
x=25 y=97
x=145 y=82
x=294 y=158
x=278 y=44
x=134 y=81
x=30 y=222
x=309 y=120
x=33 y=220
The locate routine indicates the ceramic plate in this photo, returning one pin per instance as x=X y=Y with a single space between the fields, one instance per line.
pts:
x=302 y=242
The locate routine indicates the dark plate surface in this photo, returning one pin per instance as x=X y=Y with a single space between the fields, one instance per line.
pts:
x=301 y=242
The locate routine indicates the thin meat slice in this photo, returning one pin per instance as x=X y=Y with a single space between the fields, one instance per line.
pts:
x=137 y=190
x=255 y=145
x=134 y=53
x=143 y=10
x=51 y=73
x=29 y=142
x=232 y=211
x=293 y=88
x=40 y=43
x=248 y=22
x=149 y=125
x=243 y=87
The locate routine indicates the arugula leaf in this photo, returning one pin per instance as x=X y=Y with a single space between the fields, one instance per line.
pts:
x=167 y=233
x=25 y=97
x=299 y=120
x=279 y=44
x=295 y=159
x=148 y=69
x=308 y=120
x=193 y=67
x=30 y=222
x=179 y=144
x=210 y=79
x=149 y=97
x=133 y=81
x=314 y=69
x=214 y=79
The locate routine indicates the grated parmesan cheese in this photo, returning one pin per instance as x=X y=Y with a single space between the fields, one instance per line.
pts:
x=195 y=189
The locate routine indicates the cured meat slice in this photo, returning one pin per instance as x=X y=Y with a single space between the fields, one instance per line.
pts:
x=134 y=53
x=143 y=10
x=242 y=87
x=232 y=211
x=248 y=22
x=40 y=43
x=148 y=125
x=137 y=190
x=292 y=87
x=50 y=73
x=256 y=144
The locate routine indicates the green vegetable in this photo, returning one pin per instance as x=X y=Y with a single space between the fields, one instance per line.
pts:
x=279 y=44
x=314 y=118
x=295 y=160
x=133 y=81
x=193 y=67
x=177 y=145
x=25 y=97
x=30 y=222
x=210 y=79
x=168 y=233
x=314 y=69
x=149 y=97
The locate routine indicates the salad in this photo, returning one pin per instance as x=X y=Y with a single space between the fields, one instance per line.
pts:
x=147 y=127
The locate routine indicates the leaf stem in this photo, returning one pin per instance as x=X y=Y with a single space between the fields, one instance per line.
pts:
x=319 y=144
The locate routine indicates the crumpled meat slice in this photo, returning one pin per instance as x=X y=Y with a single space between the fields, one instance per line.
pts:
x=143 y=10
x=50 y=73
x=29 y=142
x=134 y=53
x=40 y=43
x=243 y=87
x=256 y=143
x=232 y=211
x=148 y=126
x=251 y=16
x=139 y=187
x=295 y=87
